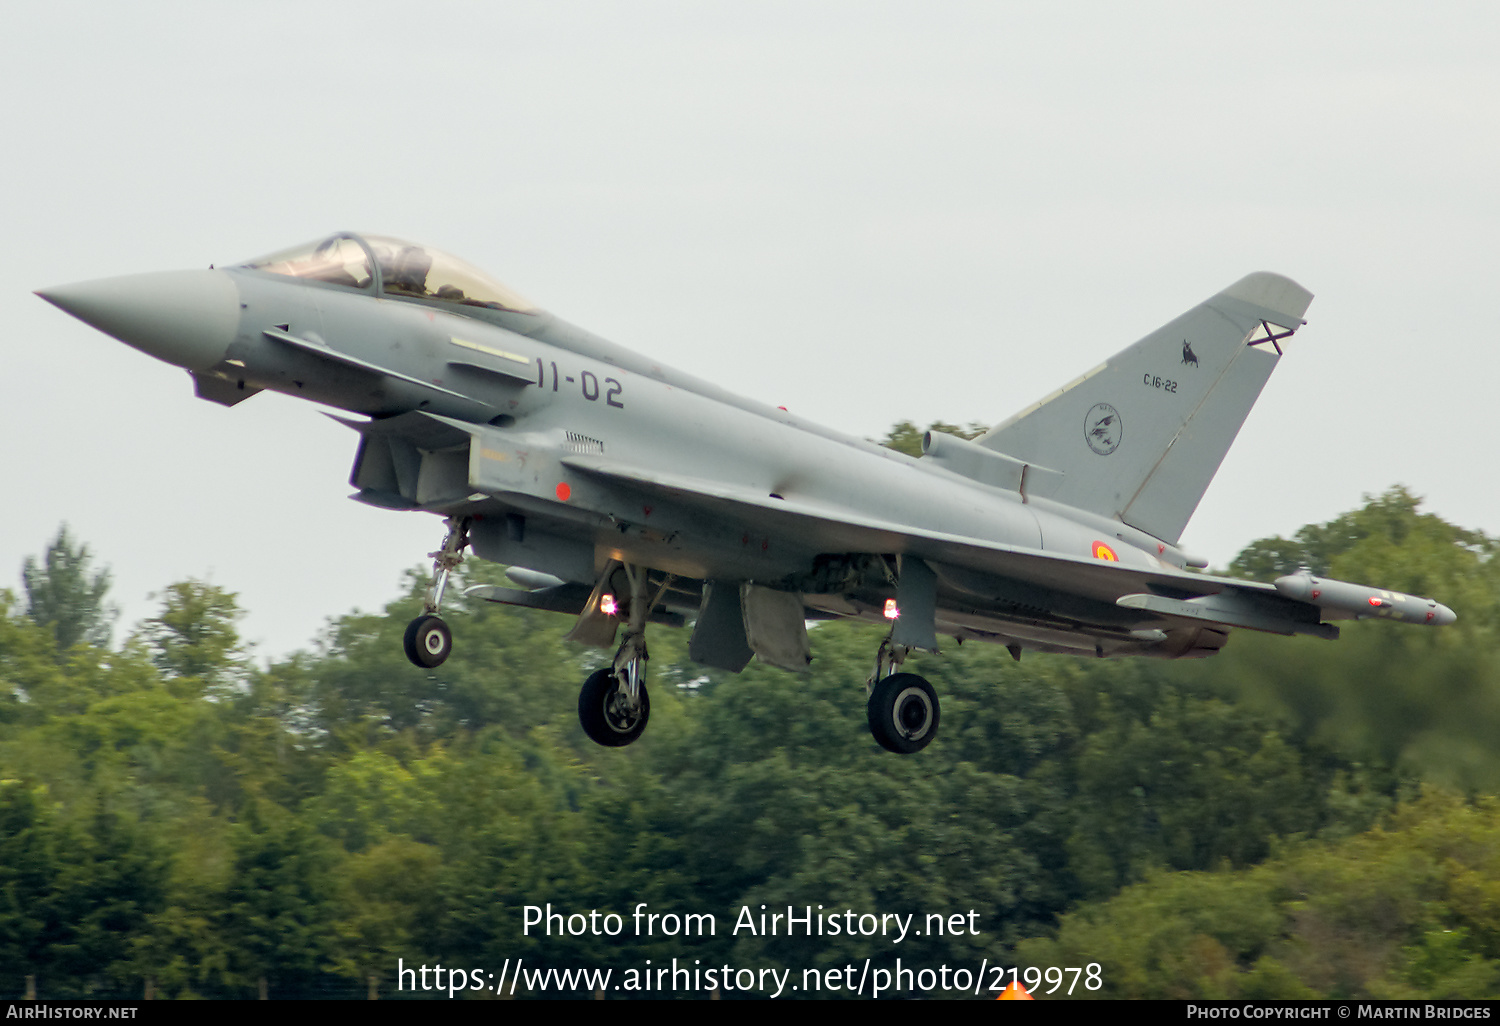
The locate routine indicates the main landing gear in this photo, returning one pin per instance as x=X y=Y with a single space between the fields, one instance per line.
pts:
x=428 y=641
x=606 y=712
x=903 y=707
x=614 y=707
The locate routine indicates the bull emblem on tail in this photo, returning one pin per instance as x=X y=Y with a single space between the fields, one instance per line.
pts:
x=1188 y=356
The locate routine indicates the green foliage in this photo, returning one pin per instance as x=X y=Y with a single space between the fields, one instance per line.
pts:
x=75 y=885
x=29 y=671
x=26 y=870
x=174 y=811
x=1386 y=534
x=194 y=641
x=1197 y=784
x=64 y=595
x=1386 y=914
x=278 y=909
x=1427 y=701
x=907 y=437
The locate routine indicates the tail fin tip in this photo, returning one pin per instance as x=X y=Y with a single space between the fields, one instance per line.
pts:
x=1274 y=293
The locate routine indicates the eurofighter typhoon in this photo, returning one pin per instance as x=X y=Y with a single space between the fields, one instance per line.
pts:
x=624 y=493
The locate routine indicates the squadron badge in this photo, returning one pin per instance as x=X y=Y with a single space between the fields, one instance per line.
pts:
x=1102 y=429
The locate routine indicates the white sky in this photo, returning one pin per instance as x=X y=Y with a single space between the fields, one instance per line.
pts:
x=865 y=212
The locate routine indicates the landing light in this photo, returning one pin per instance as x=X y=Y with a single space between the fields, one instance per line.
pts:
x=891 y=612
x=607 y=605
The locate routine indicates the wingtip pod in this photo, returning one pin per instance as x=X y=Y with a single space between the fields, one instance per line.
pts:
x=1358 y=602
x=1275 y=294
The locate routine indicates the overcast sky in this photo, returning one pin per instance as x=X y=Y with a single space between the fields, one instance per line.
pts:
x=865 y=212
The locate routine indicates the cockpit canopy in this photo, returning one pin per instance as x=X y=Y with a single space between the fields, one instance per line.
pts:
x=391 y=267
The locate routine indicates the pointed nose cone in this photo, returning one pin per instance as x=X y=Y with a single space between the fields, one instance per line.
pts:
x=187 y=318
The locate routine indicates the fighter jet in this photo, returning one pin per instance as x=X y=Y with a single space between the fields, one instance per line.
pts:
x=624 y=493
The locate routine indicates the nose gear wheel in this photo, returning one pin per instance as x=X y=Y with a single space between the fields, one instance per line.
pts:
x=428 y=641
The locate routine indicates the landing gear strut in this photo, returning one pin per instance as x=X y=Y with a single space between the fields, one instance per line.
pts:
x=613 y=706
x=903 y=707
x=428 y=641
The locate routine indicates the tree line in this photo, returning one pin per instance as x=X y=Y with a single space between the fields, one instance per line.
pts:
x=1291 y=818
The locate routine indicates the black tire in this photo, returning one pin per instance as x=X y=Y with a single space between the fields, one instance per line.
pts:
x=428 y=642
x=903 y=711
x=602 y=715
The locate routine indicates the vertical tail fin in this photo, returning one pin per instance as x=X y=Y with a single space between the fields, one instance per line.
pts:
x=1140 y=436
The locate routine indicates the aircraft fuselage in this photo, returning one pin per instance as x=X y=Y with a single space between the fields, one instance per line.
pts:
x=620 y=487
x=536 y=404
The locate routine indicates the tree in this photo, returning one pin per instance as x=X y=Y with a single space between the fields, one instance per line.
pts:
x=194 y=640
x=276 y=916
x=1407 y=911
x=1419 y=699
x=62 y=593
x=1392 y=517
x=907 y=437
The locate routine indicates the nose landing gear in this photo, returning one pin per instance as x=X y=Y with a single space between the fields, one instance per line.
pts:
x=428 y=641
